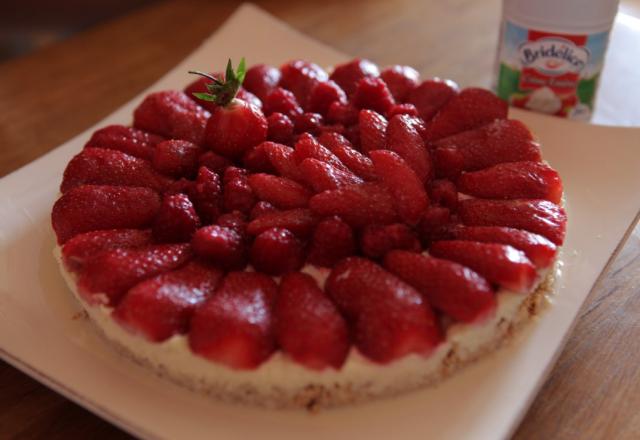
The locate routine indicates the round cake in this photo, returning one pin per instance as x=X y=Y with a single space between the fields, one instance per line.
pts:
x=287 y=237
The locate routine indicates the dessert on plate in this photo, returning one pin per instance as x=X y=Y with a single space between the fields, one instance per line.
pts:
x=293 y=237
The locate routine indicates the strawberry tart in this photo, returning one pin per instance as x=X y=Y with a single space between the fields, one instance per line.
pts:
x=292 y=237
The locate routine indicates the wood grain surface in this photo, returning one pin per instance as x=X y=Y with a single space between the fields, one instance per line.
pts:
x=47 y=97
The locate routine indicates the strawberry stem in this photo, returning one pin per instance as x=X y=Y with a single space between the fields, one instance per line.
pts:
x=223 y=91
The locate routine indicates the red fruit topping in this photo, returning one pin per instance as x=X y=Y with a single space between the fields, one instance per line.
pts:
x=232 y=173
x=298 y=221
x=83 y=247
x=238 y=195
x=220 y=245
x=434 y=224
x=537 y=216
x=161 y=307
x=176 y=158
x=282 y=101
x=300 y=77
x=409 y=194
x=280 y=128
x=444 y=193
x=234 y=220
x=332 y=241
x=376 y=240
x=499 y=263
x=471 y=108
x=404 y=139
x=281 y=192
x=282 y=159
x=403 y=109
x=358 y=163
x=176 y=220
x=181 y=186
x=173 y=115
x=99 y=166
x=308 y=147
x=309 y=328
x=206 y=195
x=373 y=94
x=450 y=287
x=256 y=160
x=538 y=249
x=323 y=95
x=235 y=325
x=322 y=176
x=308 y=122
x=401 y=80
x=389 y=318
x=107 y=277
x=249 y=98
x=342 y=113
x=93 y=207
x=431 y=95
x=261 y=208
x=129 y=140
x=514 y=180
x=347 y=75
x=213 y=161
x=277 y=251
x=373 y=131
x=261 y=80
x=358 y=205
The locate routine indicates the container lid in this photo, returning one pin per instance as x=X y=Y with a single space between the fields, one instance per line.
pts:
x=569 y=16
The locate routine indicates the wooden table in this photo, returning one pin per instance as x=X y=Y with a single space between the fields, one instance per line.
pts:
x=46 y=97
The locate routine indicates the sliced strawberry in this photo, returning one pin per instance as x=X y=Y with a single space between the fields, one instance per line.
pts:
x=499 y=263
x=261 y=80
x=401 y=80
x=282 y=101
x=358 y=205
x=373 y=94
x=206 y=195
x=173 y=115
x=514 y=180
x=308 y=147
x=322 y=176
x=299 y=221
x=409 y=195
x=280 y=128
x=431 y=95
x=538 y=249
x=444 y=193
x=99 y=166
x=471 y=108
x=261 y=208
x=235 y=325
x=537 y=216
x=282 y=159
x=161 y=307
x=177 y=158
x=376 y=240
x=129 y=140
x=450 y=287
x=389 y=318
x=309 y=328
x=257 y=161
x=213 y=161
x=357 y=162
x=93 y=207
x=404 y=139
x=221 y=245
x=277 y=251
x=323 y=95
x=347 y=75
x=332 y=241
x=373 y=129
x=83 y=247
x=281 y=192
x=176 y=220
x=301 y=77
x=107 y=277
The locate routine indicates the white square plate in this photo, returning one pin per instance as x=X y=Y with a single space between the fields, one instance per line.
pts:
x=39 y=334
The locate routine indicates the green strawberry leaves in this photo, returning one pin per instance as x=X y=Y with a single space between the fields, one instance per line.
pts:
x=223 y=91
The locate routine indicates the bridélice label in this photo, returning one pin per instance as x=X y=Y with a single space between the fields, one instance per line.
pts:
x=550 y=72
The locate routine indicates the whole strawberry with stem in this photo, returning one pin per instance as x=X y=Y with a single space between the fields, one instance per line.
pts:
x=236 y=125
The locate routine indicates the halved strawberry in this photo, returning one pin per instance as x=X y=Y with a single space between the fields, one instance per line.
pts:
x=301 y=77
x=514 y=180
x=93 y=207
x=261 y=80
x=177 y=158
x=499 y=263
x=450 y=287
x=176 y=220
x=373 y=130
x=332 y=241
x=277 y=251
x=235 y=325
x=401 y=80
x=308 y=147
x=404 y=139
x=431 y=95
x=309 y=328
x=322 y=176
x=538 y=249
x=348 y=74
x=377 y=240
x=282 y=159
x=323 y=95
x=161 y=307
x=409 y=195
x=537 y=216
x=389 y=318
x=299 y=221
x=357 y=162
x=358 y=205
x=129 y=140
x=81 y=248
x=281 y=192
x=106 y=277
x=372 y=94
x=100 y=166
x=172 y=114
x=221 y=245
